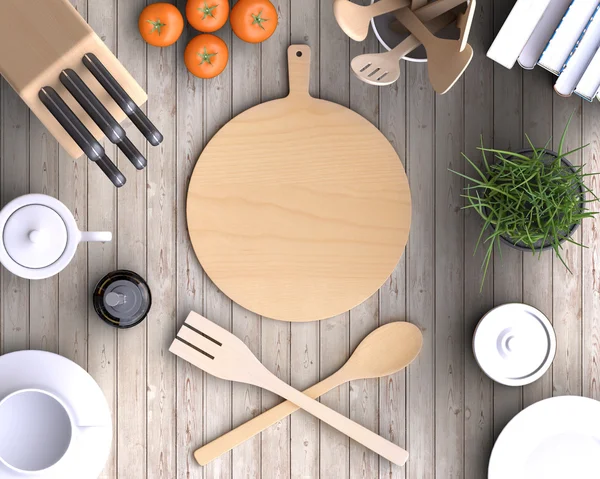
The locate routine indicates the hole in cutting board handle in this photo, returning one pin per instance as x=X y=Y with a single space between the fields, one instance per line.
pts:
x=299 y=70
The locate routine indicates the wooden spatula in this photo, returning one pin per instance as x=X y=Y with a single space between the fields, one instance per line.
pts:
x=387 y=350
x=218 y=352
x=464 y=22
x=445 y=62
x=428 y=12
x=384 y=68
x=354 y=19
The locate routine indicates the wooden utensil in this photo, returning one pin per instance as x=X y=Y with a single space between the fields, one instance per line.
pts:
x=38 y=40
x=384 y=68
x=428 y=12
x=464 y=22
x=445 y=62
x=387 y=350
x=354 y=19
x=220 y=353
x=299 y=208
x=416 y=4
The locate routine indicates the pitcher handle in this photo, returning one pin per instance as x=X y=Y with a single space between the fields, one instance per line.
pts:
x=102 y=236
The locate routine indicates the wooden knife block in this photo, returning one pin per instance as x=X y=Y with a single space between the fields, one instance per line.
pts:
x=41 y=38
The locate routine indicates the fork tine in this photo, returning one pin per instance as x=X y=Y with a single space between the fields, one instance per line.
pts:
x=189 y=354
x=199 y=341
x=209 y=328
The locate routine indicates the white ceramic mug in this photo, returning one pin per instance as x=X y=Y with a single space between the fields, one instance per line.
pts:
x=39 y=236
x=36 y=431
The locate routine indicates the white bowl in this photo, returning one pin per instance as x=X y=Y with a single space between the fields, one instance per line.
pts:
x=514 y=344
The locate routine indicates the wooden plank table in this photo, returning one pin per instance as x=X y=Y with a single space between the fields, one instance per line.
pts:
x=442 y=409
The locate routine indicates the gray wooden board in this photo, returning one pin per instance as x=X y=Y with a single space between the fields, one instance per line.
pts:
x=443 y=409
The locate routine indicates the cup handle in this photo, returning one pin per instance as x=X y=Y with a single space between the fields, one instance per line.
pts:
x=102 y=236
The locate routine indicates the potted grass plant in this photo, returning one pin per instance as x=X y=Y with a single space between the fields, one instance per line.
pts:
x=532 y=199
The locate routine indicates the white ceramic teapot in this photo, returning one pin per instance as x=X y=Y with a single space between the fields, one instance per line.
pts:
x=40 y=236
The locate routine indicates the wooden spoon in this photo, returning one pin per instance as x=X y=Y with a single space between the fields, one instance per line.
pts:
x=446 y=63
x=387 y=350
x=384 y=68
x=354 y=19
x=464 y=22
x=428 y=12
x=215 y=350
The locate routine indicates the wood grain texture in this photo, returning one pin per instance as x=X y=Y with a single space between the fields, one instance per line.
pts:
x=567 y=306
x=537 y=270
x=329 y=222
x=420 y=273
x=190 y=277
x=392 y=295
x=508 y=262
x=132 y=253
x=163 y=409
x=479 y=124
x=102 y=203
x=449 y=281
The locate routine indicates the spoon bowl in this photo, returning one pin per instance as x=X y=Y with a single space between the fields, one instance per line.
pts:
x=388 y=349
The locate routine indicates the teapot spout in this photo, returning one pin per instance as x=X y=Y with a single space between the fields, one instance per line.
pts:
x=101 y=236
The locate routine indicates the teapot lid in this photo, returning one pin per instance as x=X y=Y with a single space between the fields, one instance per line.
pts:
x=35 y=236
x=514 y=344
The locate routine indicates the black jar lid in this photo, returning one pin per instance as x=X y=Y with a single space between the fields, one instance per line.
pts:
x=122 y=299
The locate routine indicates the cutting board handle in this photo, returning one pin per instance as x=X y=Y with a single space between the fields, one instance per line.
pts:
x=299 y=69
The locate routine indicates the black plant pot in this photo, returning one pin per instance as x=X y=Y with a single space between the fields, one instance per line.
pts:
x=572 y=229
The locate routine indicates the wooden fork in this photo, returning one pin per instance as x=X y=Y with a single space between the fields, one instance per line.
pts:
x=384 y=68
x=218 y=352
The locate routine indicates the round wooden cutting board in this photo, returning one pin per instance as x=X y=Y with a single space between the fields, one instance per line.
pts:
x=299 y=209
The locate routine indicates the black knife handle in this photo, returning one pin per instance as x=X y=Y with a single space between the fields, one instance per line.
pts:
x=80 y=134
x=92 y=106
x=130 y=151
x=98 y=112
x=122 y=98
x=112 y=171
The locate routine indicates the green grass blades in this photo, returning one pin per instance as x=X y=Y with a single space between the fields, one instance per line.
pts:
x=532 y=199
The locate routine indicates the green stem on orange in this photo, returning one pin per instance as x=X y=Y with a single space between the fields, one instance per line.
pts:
x=156 y=26
x=258 y=19
x=208 y=11
x=205 y=57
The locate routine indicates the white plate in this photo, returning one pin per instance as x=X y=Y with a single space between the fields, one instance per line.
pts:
x=558 y=438
x=77 y=389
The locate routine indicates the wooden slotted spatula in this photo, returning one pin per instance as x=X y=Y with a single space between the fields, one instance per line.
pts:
x=384 y=68
x=445 y=62
x=218 y=352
